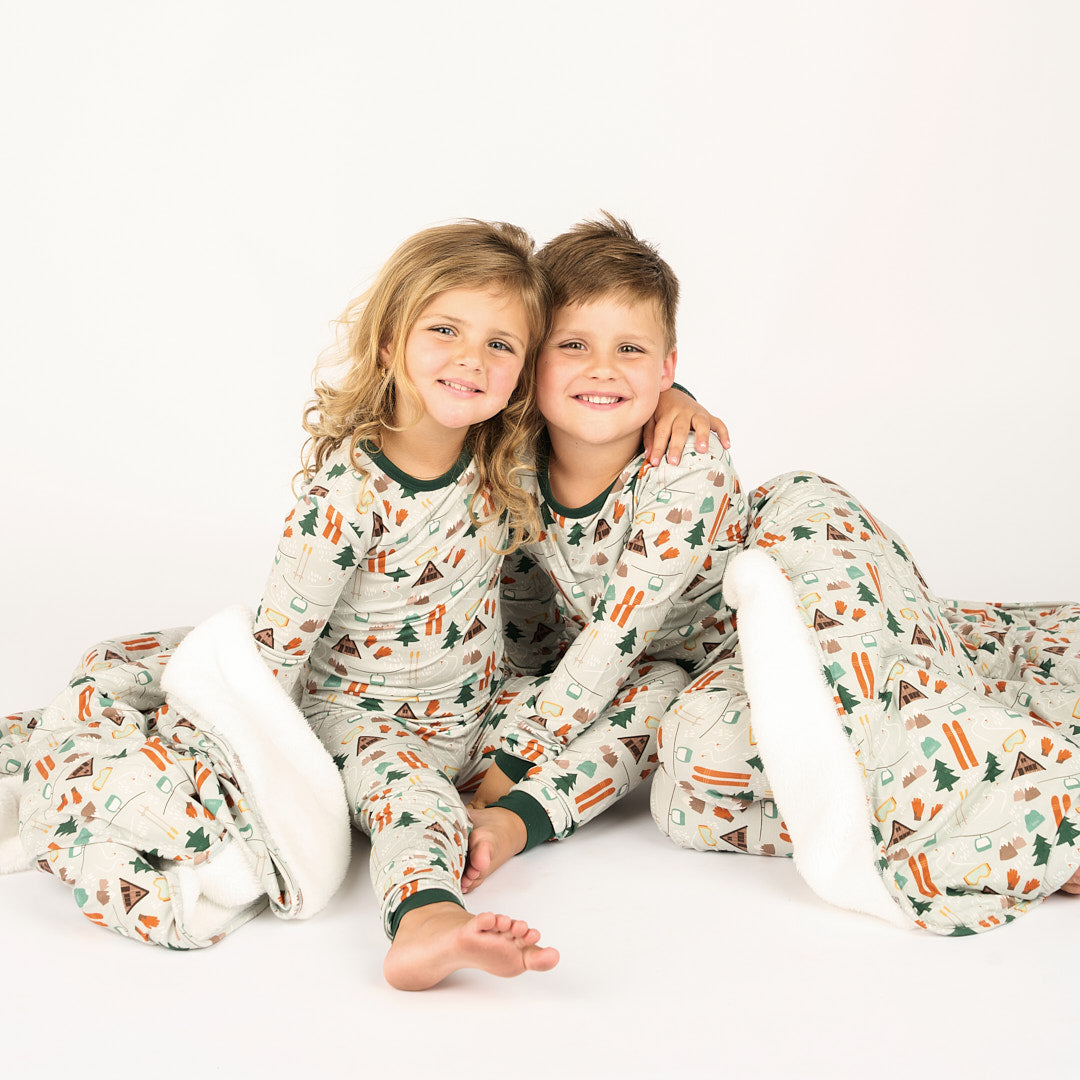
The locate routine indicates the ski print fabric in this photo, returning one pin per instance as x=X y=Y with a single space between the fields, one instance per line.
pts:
x=963 y=718
x=636 y=572
x=711 y=792
x=610 y=758
x=383 y=597
x=382 y=588
x=122 y=794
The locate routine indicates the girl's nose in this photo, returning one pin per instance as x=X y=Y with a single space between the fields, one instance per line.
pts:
x=469 y=355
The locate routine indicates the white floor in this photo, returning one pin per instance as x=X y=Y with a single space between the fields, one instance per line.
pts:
x=673 y=963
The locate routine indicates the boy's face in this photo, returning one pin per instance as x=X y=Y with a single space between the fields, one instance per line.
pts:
x=602 y=369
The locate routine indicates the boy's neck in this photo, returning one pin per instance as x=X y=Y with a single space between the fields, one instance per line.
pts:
x=424 y=455
x=579 y=472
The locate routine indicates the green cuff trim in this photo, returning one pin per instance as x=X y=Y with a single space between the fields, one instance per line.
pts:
x=538 y=827
x=514 y=767
x=679 y=386
x=420 y=899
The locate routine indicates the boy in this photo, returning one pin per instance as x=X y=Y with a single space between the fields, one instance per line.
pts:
x=635 y=553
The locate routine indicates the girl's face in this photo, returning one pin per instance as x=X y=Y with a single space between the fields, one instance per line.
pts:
x=464 y=354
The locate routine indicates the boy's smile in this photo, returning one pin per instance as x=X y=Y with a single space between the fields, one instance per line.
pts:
x=601 y=372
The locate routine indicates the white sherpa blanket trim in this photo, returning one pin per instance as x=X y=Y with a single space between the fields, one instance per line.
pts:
x=817 y=782
x=216 y=675
x=13 y=856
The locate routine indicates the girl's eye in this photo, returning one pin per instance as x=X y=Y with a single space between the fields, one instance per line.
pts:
x=500 y=345
x=445 y=331
x=571 y=345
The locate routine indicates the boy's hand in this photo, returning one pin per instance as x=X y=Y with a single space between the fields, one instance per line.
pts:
x=493 y=787
x=676 y=413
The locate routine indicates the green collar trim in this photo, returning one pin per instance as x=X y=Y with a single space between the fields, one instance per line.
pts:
x=585 y=511
x=413 y=483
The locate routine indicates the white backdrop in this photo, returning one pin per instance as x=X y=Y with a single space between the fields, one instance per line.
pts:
x=872 y=208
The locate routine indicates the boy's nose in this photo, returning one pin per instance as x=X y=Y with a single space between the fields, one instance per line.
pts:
x=603 y=365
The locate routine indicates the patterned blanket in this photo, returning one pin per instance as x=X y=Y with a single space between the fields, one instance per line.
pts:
x=175 y=789
x=924 y=753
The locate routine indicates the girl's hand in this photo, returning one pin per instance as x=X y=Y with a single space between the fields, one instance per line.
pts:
x=676 y=413
x=494 y=786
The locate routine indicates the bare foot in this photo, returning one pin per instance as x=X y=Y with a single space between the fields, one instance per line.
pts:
x=497 y=835
x=435 y=940
x=1073 y=884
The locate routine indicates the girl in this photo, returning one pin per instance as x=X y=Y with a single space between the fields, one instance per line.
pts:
x=382 y=595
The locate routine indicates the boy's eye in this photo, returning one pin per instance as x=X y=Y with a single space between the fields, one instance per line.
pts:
x=571 y=345
x=629 y=349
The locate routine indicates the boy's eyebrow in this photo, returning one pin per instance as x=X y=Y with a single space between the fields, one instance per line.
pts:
x=465 y=322
x=558 y=330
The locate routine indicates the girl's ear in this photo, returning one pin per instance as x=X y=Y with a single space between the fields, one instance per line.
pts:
x=384 y=355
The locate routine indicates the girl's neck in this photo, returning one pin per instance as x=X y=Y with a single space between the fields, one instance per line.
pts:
x=578 y=473
x=423 y=455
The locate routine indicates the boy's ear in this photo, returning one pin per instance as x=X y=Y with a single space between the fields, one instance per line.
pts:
x=667 y=371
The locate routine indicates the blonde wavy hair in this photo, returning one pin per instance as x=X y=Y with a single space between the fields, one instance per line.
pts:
x=361 y=404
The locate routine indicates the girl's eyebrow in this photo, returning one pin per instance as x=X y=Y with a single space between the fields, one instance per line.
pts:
x=465 y=322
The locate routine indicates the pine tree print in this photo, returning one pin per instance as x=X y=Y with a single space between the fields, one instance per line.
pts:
x=66 y=828
x=1066 y=832
x=466 y=695
x=944 y=776
x=308 y=521
x=891 y=623
x=336 y=471
x=407 y=635
x=866 y=594
x=1042 y=850
x=452 y=635
x=198 y=840
x=848 y=701
x=566 y=782
x=802 y=532
x=626 y=643
x=575 y=534
x=993 y=768
x=696 y=536
x=346 y=557
x=512 y=632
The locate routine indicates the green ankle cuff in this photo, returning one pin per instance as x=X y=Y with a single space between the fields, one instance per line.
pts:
x=420 y=899
x=514 y=768
x=538 y=826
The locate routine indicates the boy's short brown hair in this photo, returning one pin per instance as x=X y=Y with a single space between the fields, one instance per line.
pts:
x=598 y=257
